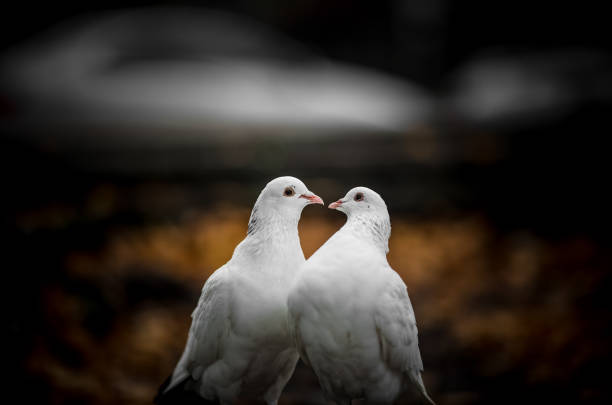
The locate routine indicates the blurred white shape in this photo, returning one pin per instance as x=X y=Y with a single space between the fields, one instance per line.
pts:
x=530 y=87
x=193 y=69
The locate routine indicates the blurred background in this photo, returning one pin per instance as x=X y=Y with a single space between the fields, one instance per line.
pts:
x=135 y=137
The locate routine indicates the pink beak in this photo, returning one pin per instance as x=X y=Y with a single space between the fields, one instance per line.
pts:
x=335 y=205
x=312 y=198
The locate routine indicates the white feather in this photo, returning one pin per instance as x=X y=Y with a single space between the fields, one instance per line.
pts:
x=239 y=344
x=350 y=314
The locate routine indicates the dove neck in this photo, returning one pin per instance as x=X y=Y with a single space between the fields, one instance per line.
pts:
x=272 y=246
x=375 y=228
x=276 y=227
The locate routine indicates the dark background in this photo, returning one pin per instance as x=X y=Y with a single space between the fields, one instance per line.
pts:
x=500 y=209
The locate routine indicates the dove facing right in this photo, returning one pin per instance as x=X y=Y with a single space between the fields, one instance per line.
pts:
x=238 y=345
x=350 y=314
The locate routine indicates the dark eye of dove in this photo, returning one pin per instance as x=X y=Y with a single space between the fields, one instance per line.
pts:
x=288 y=192
x=358 y=197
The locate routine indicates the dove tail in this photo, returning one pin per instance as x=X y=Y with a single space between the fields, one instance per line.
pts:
x=428 y=398
x=161 y=391
x=420 y=386
x=179 y=394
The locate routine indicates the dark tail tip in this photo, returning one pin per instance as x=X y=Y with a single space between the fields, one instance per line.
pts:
x=179 y=395
x=159 y=398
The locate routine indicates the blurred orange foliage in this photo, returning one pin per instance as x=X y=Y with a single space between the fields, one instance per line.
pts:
x=494 y=294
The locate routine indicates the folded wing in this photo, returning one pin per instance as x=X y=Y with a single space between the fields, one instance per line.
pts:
x=211 y=322
x=398 y=334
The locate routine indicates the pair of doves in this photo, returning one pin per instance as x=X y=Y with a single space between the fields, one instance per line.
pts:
x=345 y=312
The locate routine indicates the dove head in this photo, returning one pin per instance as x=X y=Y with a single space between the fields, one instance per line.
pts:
x=366 y=214
x=360 y=200
x=281 y=202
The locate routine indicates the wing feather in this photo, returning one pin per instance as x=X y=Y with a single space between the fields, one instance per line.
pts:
x=209 y=326
x=398 y=333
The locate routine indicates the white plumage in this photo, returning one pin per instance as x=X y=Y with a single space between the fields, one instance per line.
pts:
x=239 y=345
x=350 y=314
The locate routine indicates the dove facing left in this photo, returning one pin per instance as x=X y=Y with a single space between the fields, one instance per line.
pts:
x=350 y=313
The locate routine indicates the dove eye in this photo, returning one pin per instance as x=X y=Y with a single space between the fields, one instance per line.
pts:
x=288 y=192
x=358 y=197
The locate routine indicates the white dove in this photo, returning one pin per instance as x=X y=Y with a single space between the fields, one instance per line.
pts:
x=239 y=345
x=349 y=311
